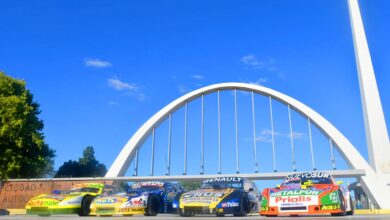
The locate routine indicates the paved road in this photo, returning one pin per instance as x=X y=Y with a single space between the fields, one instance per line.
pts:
x=203 y=217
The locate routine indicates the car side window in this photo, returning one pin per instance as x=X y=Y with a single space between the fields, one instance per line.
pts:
x=170 y=188
x=247 y=185
x=108 y=190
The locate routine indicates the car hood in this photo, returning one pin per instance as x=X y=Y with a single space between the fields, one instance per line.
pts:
x=204 y=197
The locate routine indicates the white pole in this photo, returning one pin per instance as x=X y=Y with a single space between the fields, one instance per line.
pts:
x=374 y=120
x=219 y=134
x=272 y=134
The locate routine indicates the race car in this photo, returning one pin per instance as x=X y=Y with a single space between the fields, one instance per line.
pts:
x=148 y=198
x=307 y=193
x=220 y=196
x=74 y=201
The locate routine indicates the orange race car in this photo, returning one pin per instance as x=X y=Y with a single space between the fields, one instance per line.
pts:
x=307 y=193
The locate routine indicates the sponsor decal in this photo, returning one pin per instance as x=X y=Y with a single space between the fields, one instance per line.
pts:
x=301 y=192
x=308 y=175
x=131 y=209
x=287 y=201
x=330 y=207
x=334 y=197
x=73 y=201
x=203 y=194
x=223 y=179
x=230 y=204
x=139 y=201
x=264 y=208
x=106 y=201
x=43 y=203
x=149 y=183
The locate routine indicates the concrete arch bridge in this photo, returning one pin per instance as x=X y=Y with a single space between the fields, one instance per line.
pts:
x=376 y=185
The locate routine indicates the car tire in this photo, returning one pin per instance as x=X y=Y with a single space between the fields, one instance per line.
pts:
x=184 y=214
x=85 y=205
x=153 y=205
x=342 y=205
x=219 y=214
x=351 y=212
x=244 y=206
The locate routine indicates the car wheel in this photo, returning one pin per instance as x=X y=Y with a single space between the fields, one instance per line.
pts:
x=220 y=214
x=350 y=212
x=153 y=205
x=342 y=205
x=182 y=213
x=85 y=205
x=244 y=206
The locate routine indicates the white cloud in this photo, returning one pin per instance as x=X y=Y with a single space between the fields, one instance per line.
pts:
x=197 y=76
x=251 y=60
x=97 y=63
x=281 y=75
x=131 y=88
x=182 y=89
x=141 y=96
x=259 y=81
x=113 y=103
x=119 y=85
x=265 y=135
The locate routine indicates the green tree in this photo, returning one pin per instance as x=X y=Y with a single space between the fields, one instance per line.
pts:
x=24 y=153
x=87 y=166
x=190 y=185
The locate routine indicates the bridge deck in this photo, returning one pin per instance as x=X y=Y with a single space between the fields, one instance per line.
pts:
x=252 y=176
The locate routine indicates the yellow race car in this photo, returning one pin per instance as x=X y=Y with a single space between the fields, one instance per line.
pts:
x=74 y=201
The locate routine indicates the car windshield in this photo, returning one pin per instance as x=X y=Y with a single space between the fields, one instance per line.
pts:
x=223 y=182
x=147 y=188
x=81 y=190
x=314 y=178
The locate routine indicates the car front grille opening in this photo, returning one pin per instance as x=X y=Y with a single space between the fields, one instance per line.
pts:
x=293 y=208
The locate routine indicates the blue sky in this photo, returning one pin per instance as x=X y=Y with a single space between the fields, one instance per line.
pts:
x=100 y=69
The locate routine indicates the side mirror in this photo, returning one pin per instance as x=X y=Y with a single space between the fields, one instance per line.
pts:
x=277 y=186
x=339 y=182
x=251 y=189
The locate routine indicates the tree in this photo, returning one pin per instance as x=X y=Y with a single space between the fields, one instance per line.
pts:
x=190 y=185
x=87 y=166
x=23 y=151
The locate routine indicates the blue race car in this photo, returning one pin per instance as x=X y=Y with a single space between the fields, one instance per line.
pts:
x=220 y=196
x=148 y=198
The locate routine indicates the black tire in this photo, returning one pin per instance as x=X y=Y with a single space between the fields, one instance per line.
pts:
x=219 y=214
x=244 y=208
x=352 y=211
x=183 y=214
x=85 y=205
x=342 y=205
x=153 y=205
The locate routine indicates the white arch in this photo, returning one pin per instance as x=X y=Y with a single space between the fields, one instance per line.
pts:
x=375 y=185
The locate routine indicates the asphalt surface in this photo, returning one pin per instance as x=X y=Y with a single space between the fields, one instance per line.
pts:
x=200 y=217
